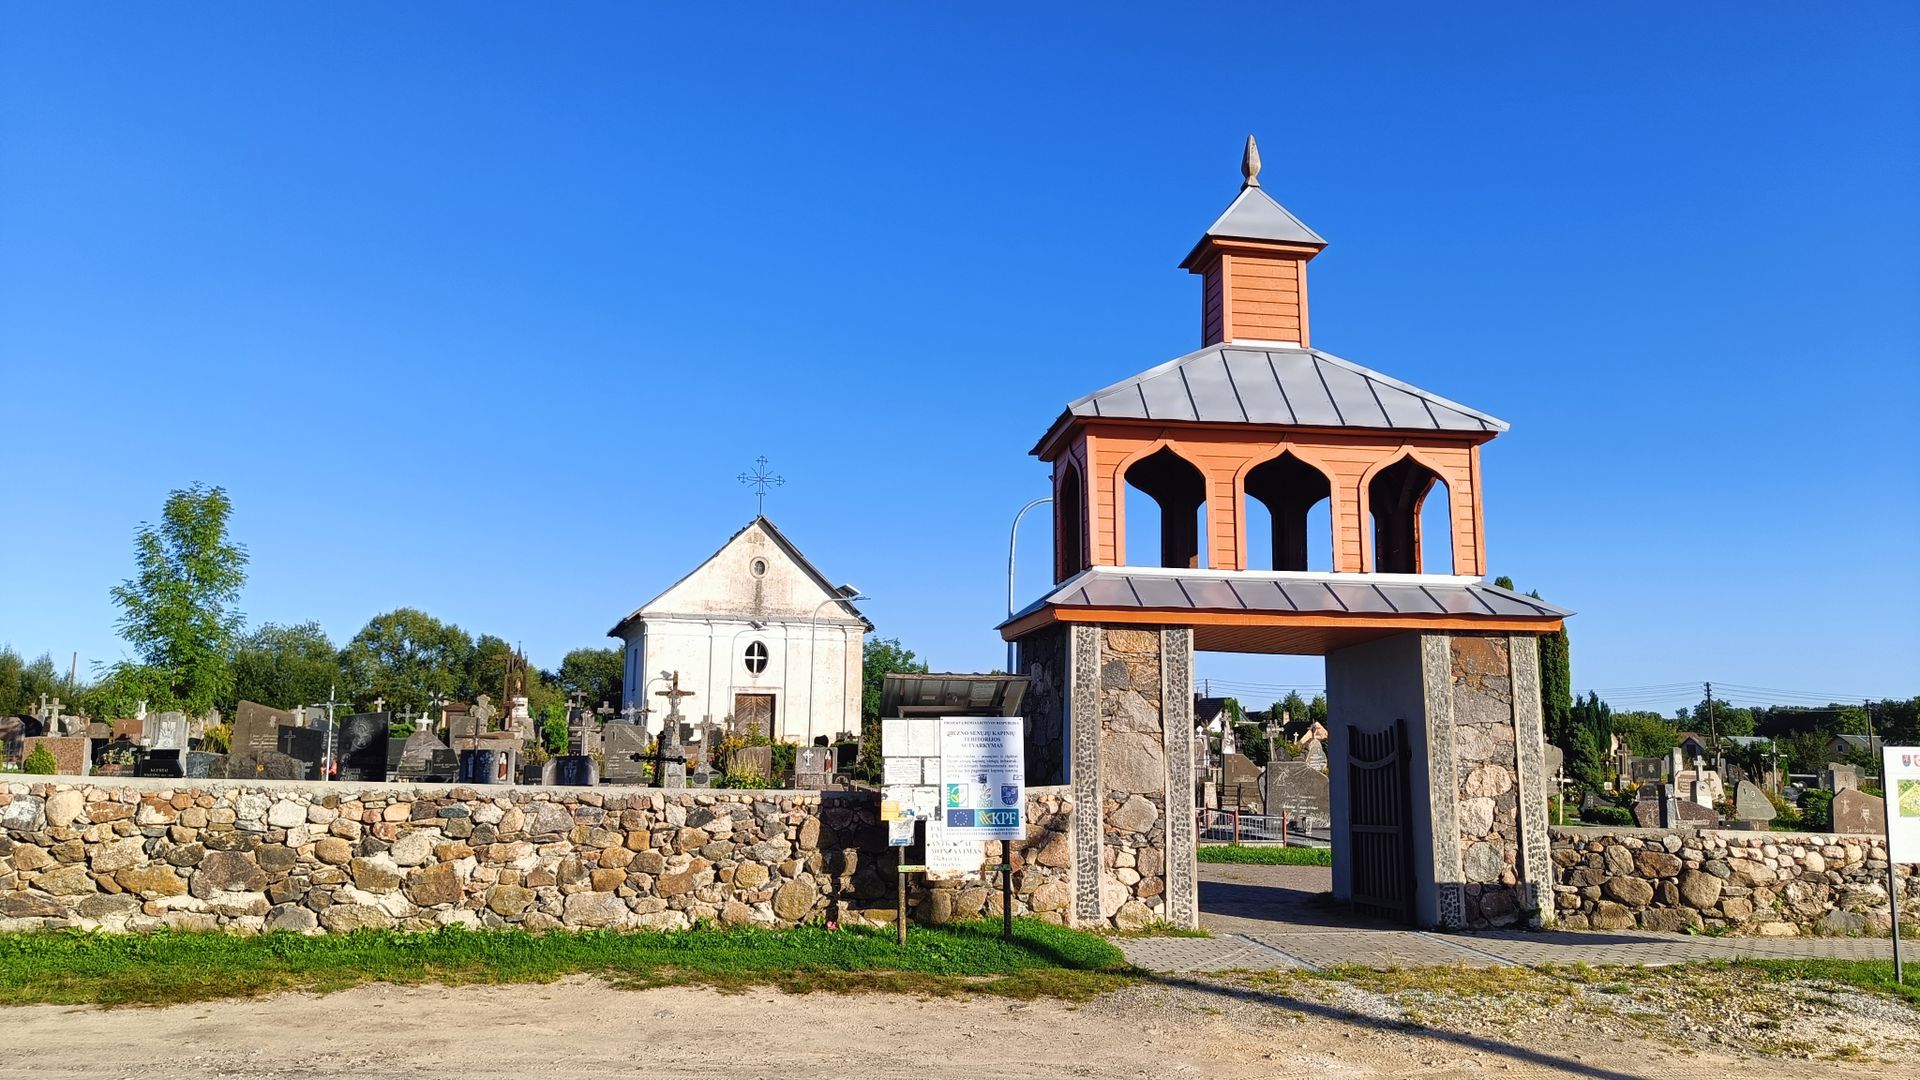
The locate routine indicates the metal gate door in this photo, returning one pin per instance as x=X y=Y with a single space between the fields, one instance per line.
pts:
x=1377 y=825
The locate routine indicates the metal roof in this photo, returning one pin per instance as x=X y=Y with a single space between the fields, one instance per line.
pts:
x=1285 y=592
x=947 y=694
x=1253 y=215
x=1232 y=383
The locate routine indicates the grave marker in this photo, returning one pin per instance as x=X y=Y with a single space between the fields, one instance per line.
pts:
x=1751 y=805
x=1856 y=813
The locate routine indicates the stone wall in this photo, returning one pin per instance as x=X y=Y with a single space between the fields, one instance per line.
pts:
x=1779 y=884
x=123 y=854
x=1486 y=771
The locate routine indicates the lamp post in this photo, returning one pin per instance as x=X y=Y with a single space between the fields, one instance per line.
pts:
x=1013 y=541
x=845 y=594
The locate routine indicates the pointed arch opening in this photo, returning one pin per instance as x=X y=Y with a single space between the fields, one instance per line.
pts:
x=1069 y=524
x=1178 y=491
x=1298 y=499
x=1412 y=520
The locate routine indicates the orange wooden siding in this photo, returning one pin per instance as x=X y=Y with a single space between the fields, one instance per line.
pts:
x=1254 y=295
x=1223 y=459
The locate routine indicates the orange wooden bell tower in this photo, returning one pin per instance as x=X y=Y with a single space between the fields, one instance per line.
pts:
x=1259 y=422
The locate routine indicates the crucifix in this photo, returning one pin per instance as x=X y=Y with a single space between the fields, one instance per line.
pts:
x=667 y=749
x=760 y=480
x=379 y=704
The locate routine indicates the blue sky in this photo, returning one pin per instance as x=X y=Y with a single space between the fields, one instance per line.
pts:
x=482 y=309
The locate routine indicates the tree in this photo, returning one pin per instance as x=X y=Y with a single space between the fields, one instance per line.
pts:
x=285 y=666
x=408 y=658
x=1591 y=727
x=22 y=682
x=880 y=658
x=1646 y=734
x=177 y=611
x=597 y=673
x=486 y=668
x=1556 y=682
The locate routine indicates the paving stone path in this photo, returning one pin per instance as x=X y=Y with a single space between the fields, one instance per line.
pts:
x=1265 y=917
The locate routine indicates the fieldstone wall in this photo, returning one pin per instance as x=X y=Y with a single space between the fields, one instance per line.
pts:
x=248 y=856
x=1043 y=660
x=1775 y=884
x=1486 y=767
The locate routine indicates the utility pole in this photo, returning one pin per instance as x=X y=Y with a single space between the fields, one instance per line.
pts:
x=1713 y=734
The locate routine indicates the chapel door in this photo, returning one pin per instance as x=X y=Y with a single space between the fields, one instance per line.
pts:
x=753 y=714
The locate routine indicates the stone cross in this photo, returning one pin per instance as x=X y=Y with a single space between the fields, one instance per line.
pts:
x=379 y=704
x=629 y=714
x=142 y=714
x=483 y=712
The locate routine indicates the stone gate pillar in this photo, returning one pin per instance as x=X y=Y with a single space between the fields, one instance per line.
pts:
x=1121 y=702
x=1476 y=777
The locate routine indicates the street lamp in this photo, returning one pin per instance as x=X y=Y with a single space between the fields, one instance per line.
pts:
x=841 y=595
x=1013 y=539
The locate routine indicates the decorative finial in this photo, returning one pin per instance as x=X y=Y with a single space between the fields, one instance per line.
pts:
x=1250 y=164
x=760 y=480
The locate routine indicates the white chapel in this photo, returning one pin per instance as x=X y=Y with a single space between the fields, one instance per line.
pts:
x=757 y=634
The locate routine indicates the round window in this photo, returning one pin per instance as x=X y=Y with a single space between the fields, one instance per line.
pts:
x=756 y=658
x=758 y=567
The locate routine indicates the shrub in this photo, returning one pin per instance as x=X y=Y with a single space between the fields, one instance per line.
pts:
x=1606 y=815
x=40 y=761
x=217 y=739
x=1816 y=811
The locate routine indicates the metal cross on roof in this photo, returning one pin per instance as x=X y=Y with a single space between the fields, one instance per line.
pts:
x=760 y=480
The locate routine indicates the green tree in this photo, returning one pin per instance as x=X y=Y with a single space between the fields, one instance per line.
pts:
x=1556 y=682
x=553 y=730
x=178 y=610
x=1591 y=727
x=22 y=682
x=40 y=762
x=597 y=673
x=486 y=668
x=285 y=666
x=407 y=657
x=1646 y=734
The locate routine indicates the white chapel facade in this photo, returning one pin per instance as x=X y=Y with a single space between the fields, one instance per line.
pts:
x=756 y=633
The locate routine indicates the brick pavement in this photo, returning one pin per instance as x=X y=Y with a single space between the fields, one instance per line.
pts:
x=1266 y=917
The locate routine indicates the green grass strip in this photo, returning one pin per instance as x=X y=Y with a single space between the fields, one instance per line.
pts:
x=79 y=968
x=1265 y=855
x=1874 y=975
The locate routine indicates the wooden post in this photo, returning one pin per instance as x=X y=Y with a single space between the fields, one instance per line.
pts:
x=900 y=909
x=1236 y=822
x=1006 y=891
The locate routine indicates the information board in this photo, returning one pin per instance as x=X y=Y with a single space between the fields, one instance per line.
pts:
x=949 y=859
x=1900 y=772
x=983 y=778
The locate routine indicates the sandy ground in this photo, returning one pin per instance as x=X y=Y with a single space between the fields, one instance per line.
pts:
x=582 y=1027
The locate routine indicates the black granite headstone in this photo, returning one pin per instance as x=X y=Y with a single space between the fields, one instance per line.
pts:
x=165 y=762
x=571 y=770
x=362 y=749
x=486 y=766
x=266 y=765
x=306 y=745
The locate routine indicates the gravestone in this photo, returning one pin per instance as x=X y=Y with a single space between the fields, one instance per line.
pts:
x=488 y=766
x=845 y=756
x=570 y=770
x=72 y=754
x=1751 y=805
x=1644 y=770
x=416 y=754
x=1316 y=755
x=203 y=765
x=1553 y=759
x=751 y=760
x=1856 y=813
x=306 y=746
x=812 y=768
x=624 y=749
x=361 y=747
x=161 y=762
x=1301 y=793
x=129 y=729
x=1240 y=781
x=165 y=731
x=1838 y=778
x=464 y=728
x=265 y=765
x=1694 y=816
x=14 y=732
x=256 y=727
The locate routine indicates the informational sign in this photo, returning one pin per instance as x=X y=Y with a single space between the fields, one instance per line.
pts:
x=910 y=736
x=1900 y=772
x=910 y=803
x=949 y=859
x=900 y=833
x=983 y=777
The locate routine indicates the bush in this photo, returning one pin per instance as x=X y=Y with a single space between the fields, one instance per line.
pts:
x=217 y=739
x=40 y=761
x=1265 y=855
x=1816 y=811
x=1606 y=815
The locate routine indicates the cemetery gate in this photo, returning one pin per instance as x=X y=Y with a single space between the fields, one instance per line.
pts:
x=1377 y=832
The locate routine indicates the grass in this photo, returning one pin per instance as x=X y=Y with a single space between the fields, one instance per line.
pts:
x=1266 y=855
x=77 y=968
x=1871 y=975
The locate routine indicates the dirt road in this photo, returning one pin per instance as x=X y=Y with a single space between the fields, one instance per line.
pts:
x=582 y=1027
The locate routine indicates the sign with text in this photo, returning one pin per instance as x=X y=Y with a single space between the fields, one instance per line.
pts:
x=949 y=859
x=1900 y=772
x=983 y=774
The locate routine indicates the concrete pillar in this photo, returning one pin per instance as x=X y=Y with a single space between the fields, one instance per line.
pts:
x=1477 y=783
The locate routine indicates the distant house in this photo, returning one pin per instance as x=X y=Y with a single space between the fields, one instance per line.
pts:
x=1693 y=745
x=1843 y=745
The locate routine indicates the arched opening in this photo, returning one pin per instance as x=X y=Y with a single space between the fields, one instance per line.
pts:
x=1179 y=494
x=1291 y=490
x=1069 y=525
x=1403 y=513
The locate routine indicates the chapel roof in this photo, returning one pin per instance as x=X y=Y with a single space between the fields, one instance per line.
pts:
x=779 y=538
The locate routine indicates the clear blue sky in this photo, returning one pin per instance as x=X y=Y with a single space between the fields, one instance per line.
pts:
x=481 y=309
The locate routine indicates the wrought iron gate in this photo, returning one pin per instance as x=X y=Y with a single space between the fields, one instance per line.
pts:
x=1381 y=856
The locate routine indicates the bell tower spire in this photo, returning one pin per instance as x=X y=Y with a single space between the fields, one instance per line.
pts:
x=1253 y=267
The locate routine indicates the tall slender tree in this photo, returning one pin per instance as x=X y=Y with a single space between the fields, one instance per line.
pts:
x=179 y=609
